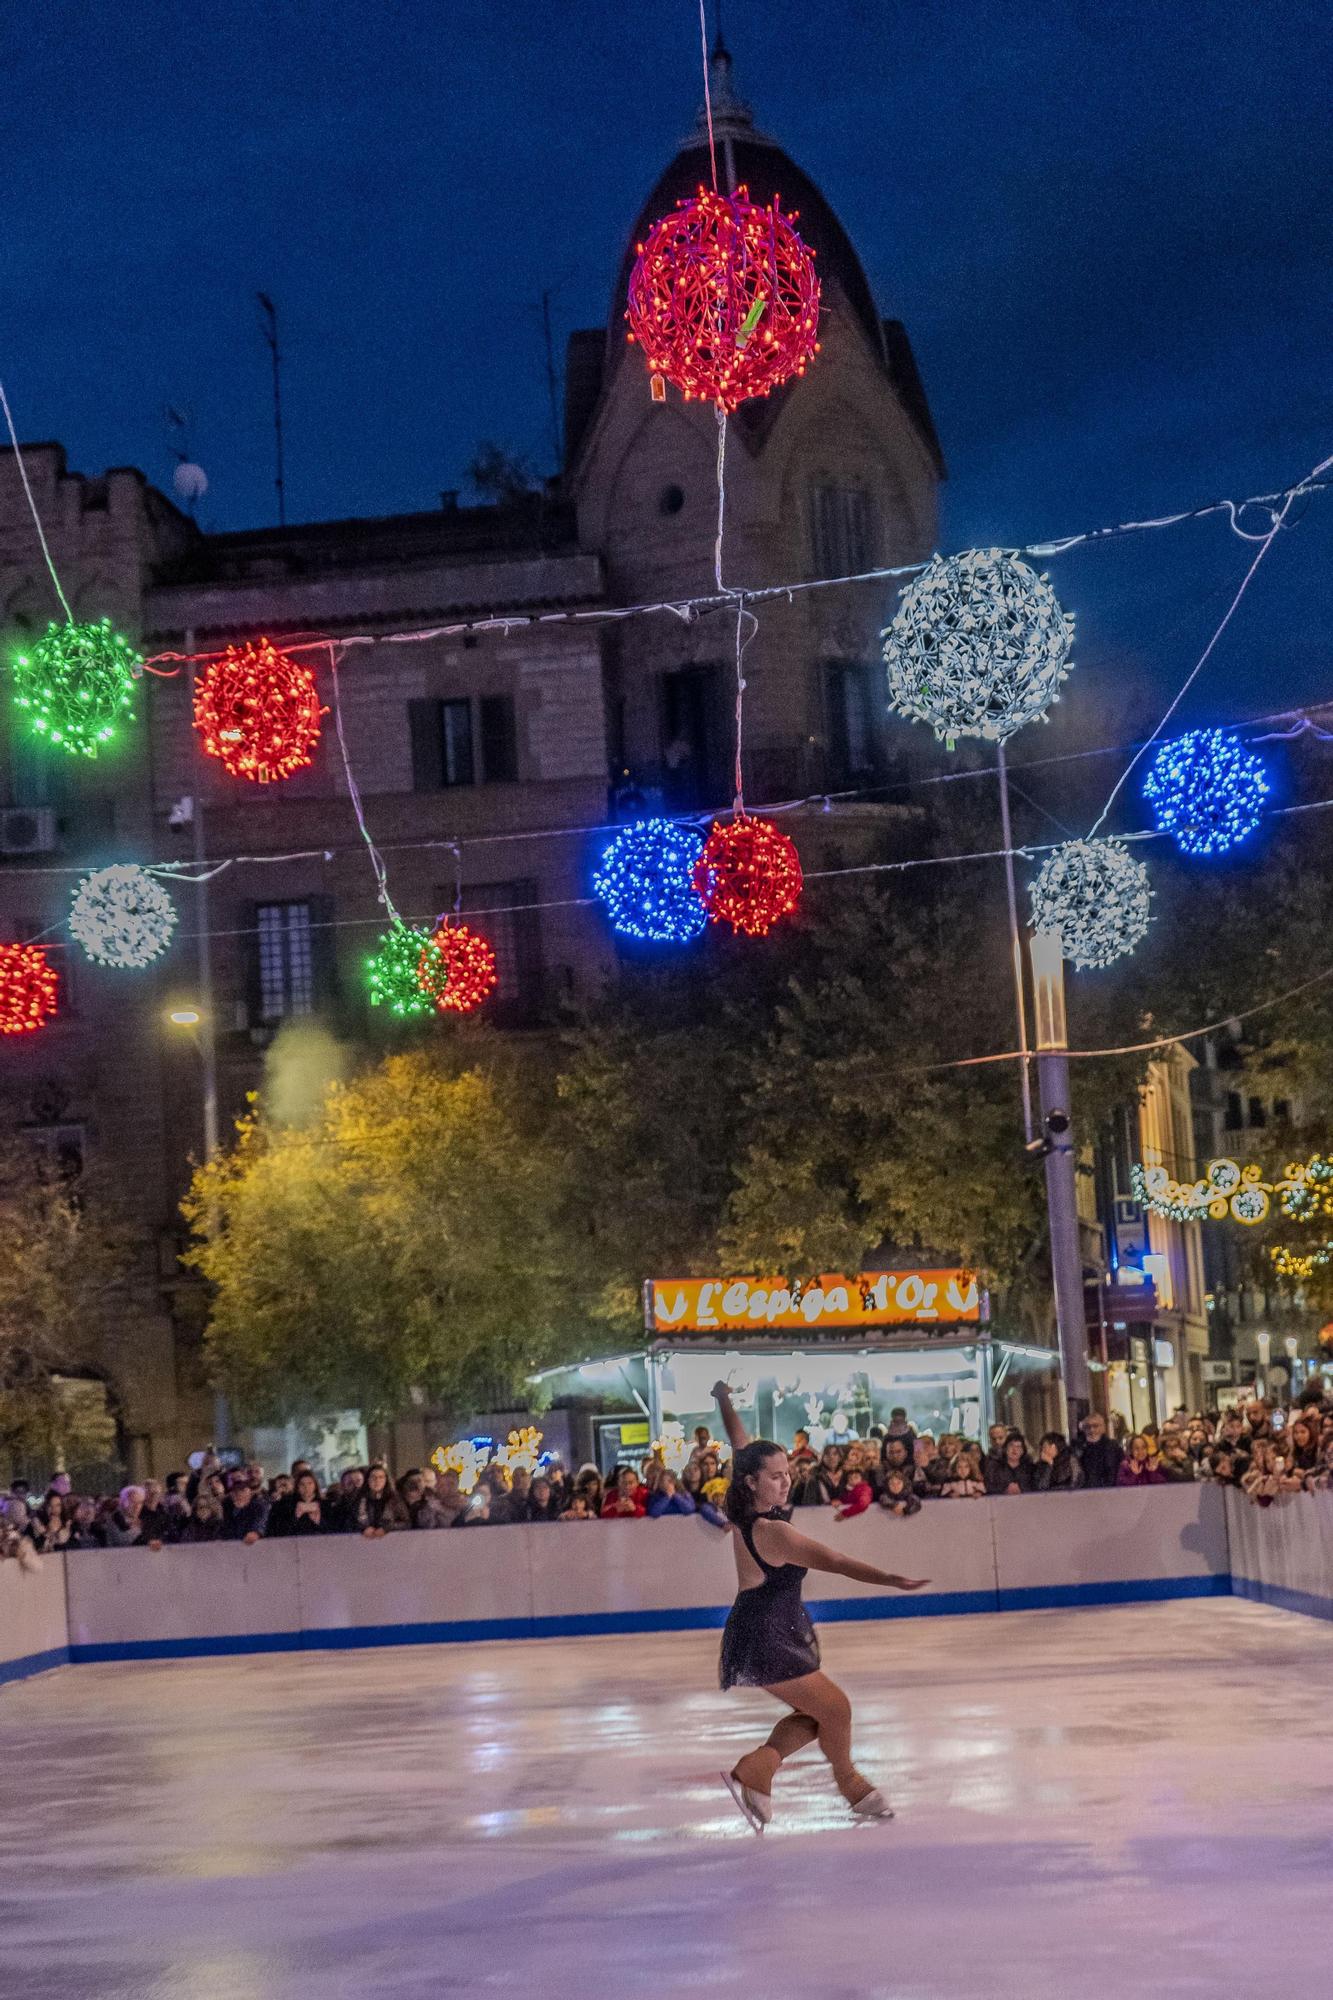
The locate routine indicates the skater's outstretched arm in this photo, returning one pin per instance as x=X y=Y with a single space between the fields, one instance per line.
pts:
x=781 y=1543
x=731 y=1423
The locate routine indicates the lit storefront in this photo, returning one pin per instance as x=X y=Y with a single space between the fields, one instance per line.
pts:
x=831 y=1355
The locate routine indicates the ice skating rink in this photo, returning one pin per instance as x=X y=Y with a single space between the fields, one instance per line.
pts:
x=1125 y=1801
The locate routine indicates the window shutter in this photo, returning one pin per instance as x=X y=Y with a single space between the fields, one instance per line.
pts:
x=323 y=950
x=499 y=740
x=425 y=720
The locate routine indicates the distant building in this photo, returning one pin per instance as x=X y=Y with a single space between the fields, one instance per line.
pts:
x=479 y=740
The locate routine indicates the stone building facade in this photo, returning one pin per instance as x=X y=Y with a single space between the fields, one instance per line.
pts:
x=464 y=748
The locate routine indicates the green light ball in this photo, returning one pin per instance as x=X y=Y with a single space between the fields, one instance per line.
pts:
x=76 y=684
x=393 y=975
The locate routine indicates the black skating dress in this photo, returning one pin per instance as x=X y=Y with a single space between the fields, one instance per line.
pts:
x=768 y=1636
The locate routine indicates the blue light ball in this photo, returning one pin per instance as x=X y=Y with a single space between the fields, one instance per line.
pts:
x=1207 y=790
x=646 y=882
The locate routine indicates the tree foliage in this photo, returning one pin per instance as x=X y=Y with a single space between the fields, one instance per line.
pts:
x=406 y=1239
x=66 y=1271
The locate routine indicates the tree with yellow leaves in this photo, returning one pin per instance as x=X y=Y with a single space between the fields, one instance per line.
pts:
x=406 y=1238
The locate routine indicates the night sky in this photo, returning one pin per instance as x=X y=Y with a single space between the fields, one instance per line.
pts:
x=1105 y=223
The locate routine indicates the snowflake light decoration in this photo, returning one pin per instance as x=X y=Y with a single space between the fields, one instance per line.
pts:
x=258 y=711
x=1307 y=1192
x=978 y=646
x=392 y=971
x=723 y=298
x=77 y=684
x=749 y=874
x=122 y=917
x=465 y=1458
x=1207 y=790
x=1299 y=1265
x=1096 y=895
x=29 y=986
x=456 y=968
x=646 y=882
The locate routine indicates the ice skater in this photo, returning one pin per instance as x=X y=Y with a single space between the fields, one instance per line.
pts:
x=768 y=1640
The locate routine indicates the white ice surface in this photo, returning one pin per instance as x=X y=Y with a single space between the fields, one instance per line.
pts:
x=1117 y=1802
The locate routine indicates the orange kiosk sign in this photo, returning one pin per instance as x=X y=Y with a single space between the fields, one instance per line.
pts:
x=805 y=1305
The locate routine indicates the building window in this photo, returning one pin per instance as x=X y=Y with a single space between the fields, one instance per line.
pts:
x=843 y=530
x=286 y=960
x=1235 y=1118
x=441 y=733
x=692 y=738
x=1258 y=1112
x=504 y=913
x=61 y=1148
x=499 y=740
x=849 y=709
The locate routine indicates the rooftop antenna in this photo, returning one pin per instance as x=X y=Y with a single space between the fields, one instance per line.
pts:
x=269 y=329
x=552 y=384
x=189 y=480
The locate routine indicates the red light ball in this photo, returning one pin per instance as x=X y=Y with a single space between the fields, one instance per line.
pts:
x=29 y=986
x=258 y=711
x=457 y=969
x=724 y=299
x=749 y=875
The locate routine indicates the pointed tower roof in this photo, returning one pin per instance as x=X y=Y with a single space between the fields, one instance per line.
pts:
x=747 y=157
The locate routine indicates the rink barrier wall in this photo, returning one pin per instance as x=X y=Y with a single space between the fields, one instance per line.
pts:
x=34 y=1622
x=1024 y=1553
x=1028 y=1553
x=1283 y=1555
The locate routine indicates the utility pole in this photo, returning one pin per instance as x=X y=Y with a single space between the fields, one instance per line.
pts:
x=206 y=1030
x=553 y=392
x=1048 y=979
x=1015 y=944
x=269 y=330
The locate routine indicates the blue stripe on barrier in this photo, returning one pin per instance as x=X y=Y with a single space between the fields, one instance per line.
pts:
x=1283 y=1599
x=576 y=1624
x=33 y=1663
x=218 y=1645
x=1143 y=1590
x=944 y=1604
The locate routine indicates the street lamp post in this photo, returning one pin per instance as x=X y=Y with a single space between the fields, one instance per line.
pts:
x=201 y=1020
x=1048 y=979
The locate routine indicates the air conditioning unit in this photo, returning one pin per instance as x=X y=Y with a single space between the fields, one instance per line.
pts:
x=27 y=830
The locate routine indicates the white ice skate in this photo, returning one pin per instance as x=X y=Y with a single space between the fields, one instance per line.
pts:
x=756 y=1806
x=873 y=1806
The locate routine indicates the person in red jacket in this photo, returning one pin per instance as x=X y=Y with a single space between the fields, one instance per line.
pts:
x=627 y=1500
x=857 y=1495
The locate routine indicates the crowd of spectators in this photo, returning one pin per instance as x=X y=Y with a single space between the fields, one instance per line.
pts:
x=1266 y=1452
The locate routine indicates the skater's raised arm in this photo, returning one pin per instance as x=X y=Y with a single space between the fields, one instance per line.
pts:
x=781 y=1543
x=731 y=1423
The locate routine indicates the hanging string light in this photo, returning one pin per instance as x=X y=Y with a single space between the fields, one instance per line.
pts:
x=1207 y=790
x=724 y=298
x=122 y=917
x=748 y=875
x=456 y=968
x=77 y=685
x=1097 y=896
x=29 y=988
x=978 y=646
x=646 y=882
x=258 y=711
x=392 y=971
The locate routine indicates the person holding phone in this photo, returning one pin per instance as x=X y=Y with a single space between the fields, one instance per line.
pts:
x=769 y=1641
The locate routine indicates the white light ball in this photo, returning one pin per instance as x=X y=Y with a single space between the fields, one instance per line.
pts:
x=978 y=646
x=122 y=917
x=1097 y=896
